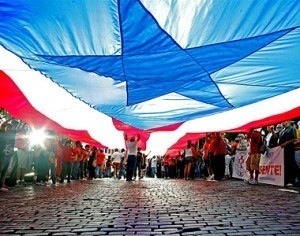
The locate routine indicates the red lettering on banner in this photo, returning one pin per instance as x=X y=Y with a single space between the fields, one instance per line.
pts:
x=277 y=170
x=270 y=170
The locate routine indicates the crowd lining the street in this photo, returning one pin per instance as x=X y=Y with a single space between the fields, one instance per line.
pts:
x=58 y=159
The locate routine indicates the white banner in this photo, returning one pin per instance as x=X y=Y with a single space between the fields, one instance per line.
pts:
x=271 y=167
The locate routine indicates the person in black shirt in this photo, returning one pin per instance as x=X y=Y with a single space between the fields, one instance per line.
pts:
x=287 y=138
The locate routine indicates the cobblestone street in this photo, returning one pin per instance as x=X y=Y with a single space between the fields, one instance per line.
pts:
x=150 y=207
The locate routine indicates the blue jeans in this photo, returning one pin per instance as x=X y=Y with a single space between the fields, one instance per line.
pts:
x=153 y=171
x=138 y=167
x=122 y=172
x=98 y=172
x=108 y=172
x=75 y=170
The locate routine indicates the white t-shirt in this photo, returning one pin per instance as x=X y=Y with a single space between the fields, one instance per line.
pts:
x=116 y=157
x=153 y=162
x=124 y=155
x=188 y=152
x=132 y=147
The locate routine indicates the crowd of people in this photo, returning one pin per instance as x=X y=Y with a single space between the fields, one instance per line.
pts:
x=212 y=157
x=58 y=159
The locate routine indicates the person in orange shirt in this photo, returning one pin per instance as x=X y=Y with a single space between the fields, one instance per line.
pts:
x=68 y=158
x=206 y=155
x=100 y=161
x=77 y=154
x=219 y=150
x=252 y=163
x=83 y=162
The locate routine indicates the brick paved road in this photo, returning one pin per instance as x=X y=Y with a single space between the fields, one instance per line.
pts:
x=149 y=207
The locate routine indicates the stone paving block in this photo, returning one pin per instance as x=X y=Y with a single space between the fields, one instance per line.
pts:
x=82 y=230
x=269 y=232
x=244 y=223
x=93 y=233
x=199 y=233
x=172 y=226
x=139 y=231
x=36 y=234
x=147 y=227
x=52 y=231
x=64 y=234
x=17 y=227
x=167 y=231
x=43 y=225
x=193 y=224
x=225 y=231
x=290 y=232
x=228 y=227
x=8 y=234
x=29 y=231
x=122 y=233
x=186 y=222
x=161 y=223
x=278 y=227
x=241 y=234
x=251 y=227
x=66 y=224
x=149 y=233
x=6 y=231
x=112 y=229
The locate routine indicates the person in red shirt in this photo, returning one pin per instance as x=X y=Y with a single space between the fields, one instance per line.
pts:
x=68 y=158
x=206 y=155
x=218 y=149
x=252 y=163
x=100 y=156
x=77 y=154
x=83 y=162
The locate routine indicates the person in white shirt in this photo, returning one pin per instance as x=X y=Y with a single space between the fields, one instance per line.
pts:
x=123 y=164
x=132 y=145
x=116 y=162
x=243 y=142
x=153 y=166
